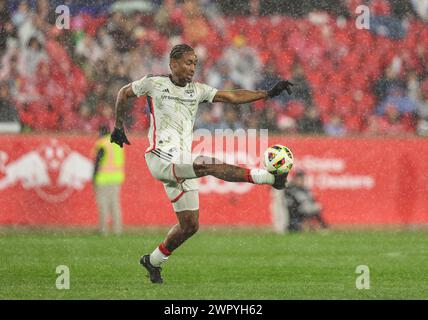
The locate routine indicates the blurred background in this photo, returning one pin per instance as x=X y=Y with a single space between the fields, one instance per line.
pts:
x=357 y=119
x=347 y=81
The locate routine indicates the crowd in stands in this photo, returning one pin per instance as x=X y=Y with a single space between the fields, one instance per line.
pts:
x=347 y=80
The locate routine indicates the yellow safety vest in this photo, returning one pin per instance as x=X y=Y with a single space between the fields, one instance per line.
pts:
x=111 y=166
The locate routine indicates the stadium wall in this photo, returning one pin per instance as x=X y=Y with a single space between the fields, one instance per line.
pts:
x=46 y=180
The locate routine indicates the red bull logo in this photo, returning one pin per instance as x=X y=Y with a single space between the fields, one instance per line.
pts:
x=53 y=171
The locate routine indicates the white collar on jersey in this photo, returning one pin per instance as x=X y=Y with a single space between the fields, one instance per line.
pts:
x=174 y=83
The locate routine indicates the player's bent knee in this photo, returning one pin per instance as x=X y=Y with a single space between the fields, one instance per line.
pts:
x=191 y=229
x=192 y=226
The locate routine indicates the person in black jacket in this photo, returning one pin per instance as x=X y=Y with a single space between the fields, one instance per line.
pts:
x=301 y=204
x=8 y=112
x=311 y=122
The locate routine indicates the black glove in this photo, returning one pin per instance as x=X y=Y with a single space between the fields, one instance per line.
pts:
x=279 y=87
x=118 y=136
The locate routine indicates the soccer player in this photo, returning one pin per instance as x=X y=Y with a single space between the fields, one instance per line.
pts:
x=173 y=100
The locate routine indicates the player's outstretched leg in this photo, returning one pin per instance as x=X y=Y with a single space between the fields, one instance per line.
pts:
x=207 y=166
x=188 y=225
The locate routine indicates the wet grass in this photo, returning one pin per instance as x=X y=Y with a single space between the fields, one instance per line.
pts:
x=224 y=264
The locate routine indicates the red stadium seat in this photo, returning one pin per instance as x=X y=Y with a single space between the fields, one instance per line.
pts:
x=336 y=66
x=294 y=109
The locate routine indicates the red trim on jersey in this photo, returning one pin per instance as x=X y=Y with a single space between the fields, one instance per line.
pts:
x=164 y=250
x=152 y=111
x=248 y=176
x=177 y=197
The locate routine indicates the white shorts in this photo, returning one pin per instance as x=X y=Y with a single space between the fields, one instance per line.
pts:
x=179 y=179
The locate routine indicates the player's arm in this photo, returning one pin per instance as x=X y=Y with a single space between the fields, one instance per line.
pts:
x=118 y=135
x=97 y=161
x=244 y=96
x=239 y=96
x=124 y=94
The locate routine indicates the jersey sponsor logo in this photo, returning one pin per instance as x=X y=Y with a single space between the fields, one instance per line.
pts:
x=189 y=92
x=165 y=90
x=53 y=171
x=182 y=100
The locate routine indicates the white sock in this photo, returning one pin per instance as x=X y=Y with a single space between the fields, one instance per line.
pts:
x=157 y=258
x=262 y=176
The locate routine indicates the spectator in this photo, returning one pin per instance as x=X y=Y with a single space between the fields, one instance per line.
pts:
x=421 y=99
x=389 y=124
x=385 y=83
x=31 y=56
x=140 y=61
x=422 y=111
x=422 y=128
x=335 y=126
x=301 y=89
x=269 y=77
x=301 y=204
x=31 y=28
x=286 y=124
x=230 y=118
x=104 y=40
x=218 y=74
x=397 y=98
x=44 y=12
x=268 y=119
x=86 y=122
x=243 y=63
x=8 y=112
x=89 y=48
x=205 y=120
x=195 y=26
x=121 y=45
x=421 y=7
x=8 y=65
x=383 y=22
x=118 y=31
x=413 y=86
x=21 y=14
x=108 y=176
x=169 y=18
x=311 y=122
x=7 y=28
x=98 y=94
x=118 y=79
x=105 y=115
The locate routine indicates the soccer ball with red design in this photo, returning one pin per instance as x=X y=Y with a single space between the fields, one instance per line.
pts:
x=278 y=159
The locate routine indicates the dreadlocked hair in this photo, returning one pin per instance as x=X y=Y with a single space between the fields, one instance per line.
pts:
x=178 y=51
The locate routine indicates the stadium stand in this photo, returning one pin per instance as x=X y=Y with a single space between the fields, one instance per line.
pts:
x=356 y=81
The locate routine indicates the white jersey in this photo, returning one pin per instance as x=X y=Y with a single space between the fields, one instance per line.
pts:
x=172 y=110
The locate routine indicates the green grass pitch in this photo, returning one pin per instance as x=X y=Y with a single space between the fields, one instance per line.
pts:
x=229 y=264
